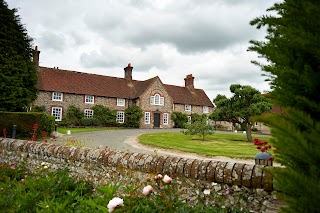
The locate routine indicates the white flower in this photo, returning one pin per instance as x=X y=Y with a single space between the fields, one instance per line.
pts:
x=167 y=179
x=206 y=191
x=147 y=190
x=114 y=203
x=45 y=167
x=214 y=184
x=43 y=163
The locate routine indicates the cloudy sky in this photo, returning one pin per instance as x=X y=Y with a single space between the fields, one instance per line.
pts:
x=165 y=38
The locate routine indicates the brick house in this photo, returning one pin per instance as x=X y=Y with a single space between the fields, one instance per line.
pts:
x=58 y=89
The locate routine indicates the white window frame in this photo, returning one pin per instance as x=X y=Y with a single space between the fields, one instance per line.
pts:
x=165 y=119
x=189 y=119
x=187 y=108
x=89 y=99
x=147 y=117
x=121 y=102
x=157 y=100
x=120 y=117
x=57 y=114
x=88 y=113
x=205 y=109
x=57 y=96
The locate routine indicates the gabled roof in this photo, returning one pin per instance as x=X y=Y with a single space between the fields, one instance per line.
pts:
x=58 y=80
x=183 y=95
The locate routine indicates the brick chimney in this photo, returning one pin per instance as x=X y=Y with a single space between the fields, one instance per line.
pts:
x=36 y=54
x=188 y=81
x=128 y=72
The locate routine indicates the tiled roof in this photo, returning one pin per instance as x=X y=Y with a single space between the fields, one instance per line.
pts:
x=51 y=79
x=183 y=95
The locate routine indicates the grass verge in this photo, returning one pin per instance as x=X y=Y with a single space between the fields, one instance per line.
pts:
x=228 y=145
x=64 y=130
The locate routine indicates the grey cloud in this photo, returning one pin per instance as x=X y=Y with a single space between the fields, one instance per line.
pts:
x=53 y=41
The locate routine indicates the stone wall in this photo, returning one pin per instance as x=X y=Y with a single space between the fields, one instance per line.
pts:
x=194 y=109
x=229 y=184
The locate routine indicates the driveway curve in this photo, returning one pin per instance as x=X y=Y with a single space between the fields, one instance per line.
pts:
x=126 y=140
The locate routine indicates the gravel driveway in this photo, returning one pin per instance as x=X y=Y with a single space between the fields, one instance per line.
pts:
x=115 y=139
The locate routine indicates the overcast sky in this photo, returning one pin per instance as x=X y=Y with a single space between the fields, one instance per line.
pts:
x=166 y=38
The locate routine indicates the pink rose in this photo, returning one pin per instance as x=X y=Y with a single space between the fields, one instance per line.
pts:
x=114 y=203
x=147 y=190
x=167 y=179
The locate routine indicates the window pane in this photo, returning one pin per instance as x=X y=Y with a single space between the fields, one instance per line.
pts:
x=147 y=117
x=88 y=113
x=120 y=117
x=57 y=113
x=165 y=119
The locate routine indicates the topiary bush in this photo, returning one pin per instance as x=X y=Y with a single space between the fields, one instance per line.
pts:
x=90 y=122
x=104 y=115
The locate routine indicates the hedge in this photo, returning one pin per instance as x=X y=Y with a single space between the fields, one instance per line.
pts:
x=25 y=122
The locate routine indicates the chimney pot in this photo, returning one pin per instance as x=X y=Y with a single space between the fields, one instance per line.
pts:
x=36 y=56
x=128 y=72
x=189 y=81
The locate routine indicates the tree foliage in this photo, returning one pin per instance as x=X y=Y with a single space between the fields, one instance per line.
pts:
x=132 y=116
x=245 y=103
x=106 y=116
x=292 y=50
x=18 y=76
x=198 y=126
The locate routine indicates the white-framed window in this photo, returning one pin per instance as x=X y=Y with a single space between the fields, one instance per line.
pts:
x=57 y=96
x=189 y=119
x=89 y=99
x=187 y=108
x=256 y=123
x=121 y=102
x=147 y=117
x=165 y=119
x=88 y=113
x=157 y=100
x=205 y=109
x=120 y=117
x=57 y=113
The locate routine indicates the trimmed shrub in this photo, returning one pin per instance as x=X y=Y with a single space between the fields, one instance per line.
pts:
x=104 y=115
x=180 y=119
x=90 y=122
x=132 y=116
x=37 y=108
x=25 y=122
x=74 y=114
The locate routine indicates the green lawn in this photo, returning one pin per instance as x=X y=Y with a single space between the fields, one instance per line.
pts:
x=64 y=130
x=228 y=145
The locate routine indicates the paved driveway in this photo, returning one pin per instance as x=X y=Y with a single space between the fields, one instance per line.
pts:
x=115 y=139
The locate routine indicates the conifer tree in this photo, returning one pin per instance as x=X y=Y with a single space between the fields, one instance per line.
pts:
x=292 y=50
x=18 y=76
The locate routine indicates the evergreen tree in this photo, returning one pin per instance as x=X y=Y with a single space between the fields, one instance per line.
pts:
x=18 y=76
x=245 y=103
x=292 y=50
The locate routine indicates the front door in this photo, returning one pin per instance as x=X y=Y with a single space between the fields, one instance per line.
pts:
x=156 y=120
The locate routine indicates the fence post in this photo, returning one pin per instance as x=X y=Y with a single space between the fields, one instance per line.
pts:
x=14 y=131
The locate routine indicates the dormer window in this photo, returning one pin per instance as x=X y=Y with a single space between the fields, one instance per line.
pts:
x=157 y=100
x=89 y=99
x=57 y=96
x=121 y=102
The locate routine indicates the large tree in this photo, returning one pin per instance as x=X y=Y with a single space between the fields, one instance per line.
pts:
x=292 y=50
x=245 y=103
x=18 y=76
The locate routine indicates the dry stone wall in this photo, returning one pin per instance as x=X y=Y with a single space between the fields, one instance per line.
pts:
x=249 y=185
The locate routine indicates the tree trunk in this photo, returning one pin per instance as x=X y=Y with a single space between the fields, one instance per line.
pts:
x=248 y=133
